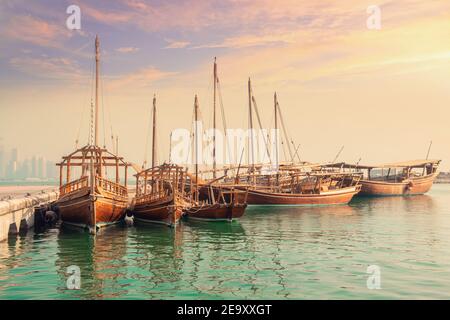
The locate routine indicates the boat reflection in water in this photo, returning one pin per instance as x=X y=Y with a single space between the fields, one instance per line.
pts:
x=210 y=258
x=390 y=205
x=101 y=261
x=157 y=252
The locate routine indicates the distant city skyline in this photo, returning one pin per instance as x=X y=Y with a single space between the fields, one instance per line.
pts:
x=12 y=167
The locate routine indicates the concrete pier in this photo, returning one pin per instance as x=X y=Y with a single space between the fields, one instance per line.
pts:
x=18 y=214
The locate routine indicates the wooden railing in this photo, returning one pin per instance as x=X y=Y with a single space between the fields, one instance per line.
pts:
x=111 y=187
x=163 y=193
x=74 y=185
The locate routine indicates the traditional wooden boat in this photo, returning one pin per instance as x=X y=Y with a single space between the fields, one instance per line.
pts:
x=396 y=179
x=160 y=190
x=327 y=189
x=92 y=200
x=292 y=184
x=218 y=202
x=213 y=201
x=160 y=195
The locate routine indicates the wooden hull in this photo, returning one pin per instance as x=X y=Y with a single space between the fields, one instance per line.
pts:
x=217 y=212
x=416 y=186
x=77 y=208
x=341 y=196
x=163 y=211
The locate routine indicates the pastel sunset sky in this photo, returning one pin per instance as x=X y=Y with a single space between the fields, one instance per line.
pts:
x=384 y=94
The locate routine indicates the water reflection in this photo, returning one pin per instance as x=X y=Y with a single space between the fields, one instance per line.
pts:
x=419 y=203
x=157 y=254
x=101 y=260
x=271 y=253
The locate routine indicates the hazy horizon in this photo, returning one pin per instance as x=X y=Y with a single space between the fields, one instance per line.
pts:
x=383 y=94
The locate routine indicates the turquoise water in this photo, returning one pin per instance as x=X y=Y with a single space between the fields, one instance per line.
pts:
x=272 y=253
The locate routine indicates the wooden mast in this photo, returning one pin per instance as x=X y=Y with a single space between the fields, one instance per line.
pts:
x=276 y=133
x=196 y=144
x=95 y=153
x=154 y=133
x=250 y=117
x=97 y=58
x=214 y=118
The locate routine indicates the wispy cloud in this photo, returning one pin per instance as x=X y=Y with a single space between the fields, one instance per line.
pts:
x=47 y=67
x=138 y=79
x=174 y=44
x=127 y=49
x=34 y=30
x=253 y=40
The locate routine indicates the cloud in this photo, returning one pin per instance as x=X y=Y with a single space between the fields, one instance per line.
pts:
x=252 y=41
x=36 y=31
x=141 y=78
x=106 y=17
x=127 y=49
x=173 y=44
x=47 y=67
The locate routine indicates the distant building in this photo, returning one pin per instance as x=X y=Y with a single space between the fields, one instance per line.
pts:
x=51 y=170
x=34 y=168
x=2 y=162
x=14 y=155
x=42 y=169
x=443 y=177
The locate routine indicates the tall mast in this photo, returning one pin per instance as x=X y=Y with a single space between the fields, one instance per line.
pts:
x=154 y=133
x=97 y=68
x=250 y=118
x=195 y=138
x=214 y=118
x=276 y=130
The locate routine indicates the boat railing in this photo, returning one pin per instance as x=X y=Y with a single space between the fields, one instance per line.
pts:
x=74 y=186
x=229 y=195
x=111 y=187
x=153 y=196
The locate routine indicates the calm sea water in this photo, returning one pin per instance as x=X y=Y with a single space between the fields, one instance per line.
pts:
x=272 y=253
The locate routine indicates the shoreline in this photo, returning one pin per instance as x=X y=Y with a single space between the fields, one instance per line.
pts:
x=23 y=190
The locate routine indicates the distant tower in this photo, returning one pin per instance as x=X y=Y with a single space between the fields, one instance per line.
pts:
x=34 y=167
x=14 y=155
x=11 y=171
x=2 y=162
x=42 y=168
x=51 y=172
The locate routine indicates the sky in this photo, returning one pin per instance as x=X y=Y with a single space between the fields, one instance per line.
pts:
x=383 y=93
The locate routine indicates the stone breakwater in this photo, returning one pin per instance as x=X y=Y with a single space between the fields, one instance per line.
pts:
x=18 y=214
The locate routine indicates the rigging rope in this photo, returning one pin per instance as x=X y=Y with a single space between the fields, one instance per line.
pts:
x=84 y=108
x=144 y=164
x=285 y=131
x=255 y=106
x=224 y=122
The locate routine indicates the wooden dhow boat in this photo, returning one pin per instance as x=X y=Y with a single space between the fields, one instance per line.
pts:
x=213 y=200
x=92 y=200
x=396 y=179
x=161 y=195
x=160 y=191
x=290 y=183
x=217 y=201
x=303 y=185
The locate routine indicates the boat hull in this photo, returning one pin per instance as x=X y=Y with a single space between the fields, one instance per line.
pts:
x=341 y=196
x=415 y=186
x=216 y=212
x=77 y=208
x=162 y=211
